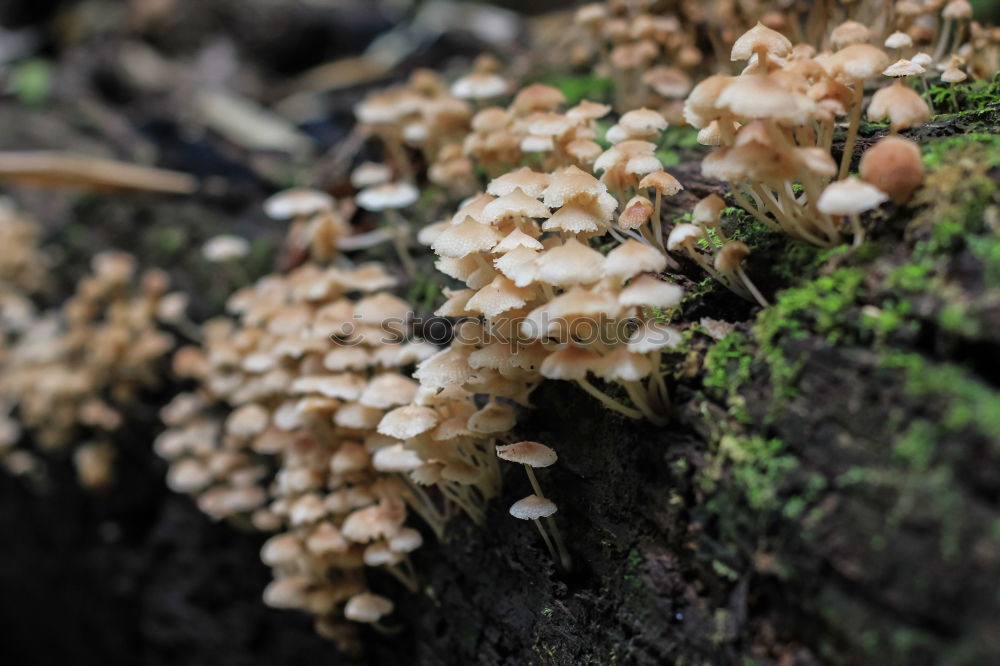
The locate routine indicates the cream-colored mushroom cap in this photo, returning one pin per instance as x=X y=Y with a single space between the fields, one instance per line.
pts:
x=662 y=182
x=728 y=258
x=898 y=40
x=850 y=197
x=586 y=111
x=631 y=258
x=533 y=454
x=499 y=296
x=387 y=196
x=621 y=365
x=569 y=183
x=537 y=144
x=849 y=33
x=757 y=96
x=368 y=174
x=367 y=608
x=297 y=203
x=406 y=540
x=533 y=507
x=569 y=363
x=859 y=61
x=569 y=264
x=653 y=335
x=643 y=123
x=517 y=203
x=958 y=10
x=902 y=68
x=760 y=38
x=396 y=458
x=708 y=210
x=901 y=104
x=532 y=183
x=647 y=290
x=923 y=59
x=225 y=248
x=466 y=238
x=516 y=239
x=409 y=421
x=954 y=75
x=494 y=417
x=684 y=234
x=388 y=390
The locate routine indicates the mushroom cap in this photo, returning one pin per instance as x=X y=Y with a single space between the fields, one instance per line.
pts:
x=850 y=197
x=533 y=454
x=653 y=335
x=859 y=62
x=583 y=151
x=533 y=507
x=494 y=417
x=757 y=96
x=349 y=457
x=631 y=258
x=297 y=202
x=569 y=264
x=760 y=37
x=367 y=608
x=622 y=365
x=957 y=10
x=466 y=238
x=662 y=182
x=519 y=265
x=636 y=212
x=516 y=239
x=569 y=363
x=583 y=217
x=923 y=59
x=445 y=368
x=643 y=123
x=387 y=196
x=700 y=107
x=407 y=422
x=532 y=183
x=901 y=104
x=549 y=124
x=849 y=33
x=368 y=174
x=479 y=85
x=902 y=68
x=708 y=210
x=537 y=144
x=491 y=119
x=953 y=75
x=728 y=258
x=898 y=40
x=406 y=540
x=388 y=390
x=647 y=290
x=380 y=307
x=668 y=82
x=225 y=247
x=537 y=97
x=683 y=234
x=499 y=296
x=895 y=166
x=515 y=204
x=570 y=183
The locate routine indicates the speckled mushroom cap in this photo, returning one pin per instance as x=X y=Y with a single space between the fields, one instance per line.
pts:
x=533 y=454
x=408 y=421
x=533 y=507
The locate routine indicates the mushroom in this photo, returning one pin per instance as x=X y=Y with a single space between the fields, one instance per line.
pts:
x=534 y=507
x=368 y=608
x=850 y=198
x=728 y=262
x=895 y=166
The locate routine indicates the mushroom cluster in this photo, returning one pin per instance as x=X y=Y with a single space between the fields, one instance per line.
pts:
x=650 y=57
x=774 y=127
x=70 y=376
x=540 y=301
x=280 y=434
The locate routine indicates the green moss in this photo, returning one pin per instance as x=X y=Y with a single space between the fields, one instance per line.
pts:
x=578 y=88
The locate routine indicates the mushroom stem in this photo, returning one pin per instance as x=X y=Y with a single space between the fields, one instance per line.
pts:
x=638 y=395
x=751 y=287
x=410 y=583
x=399 y=239
x=859 y=231
x=943 y=39
x=534 y=481
x=425 y=508
x=564 y=558
x=656 y=222
x=548 y=541
x=852 y=132
x=608 y=401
